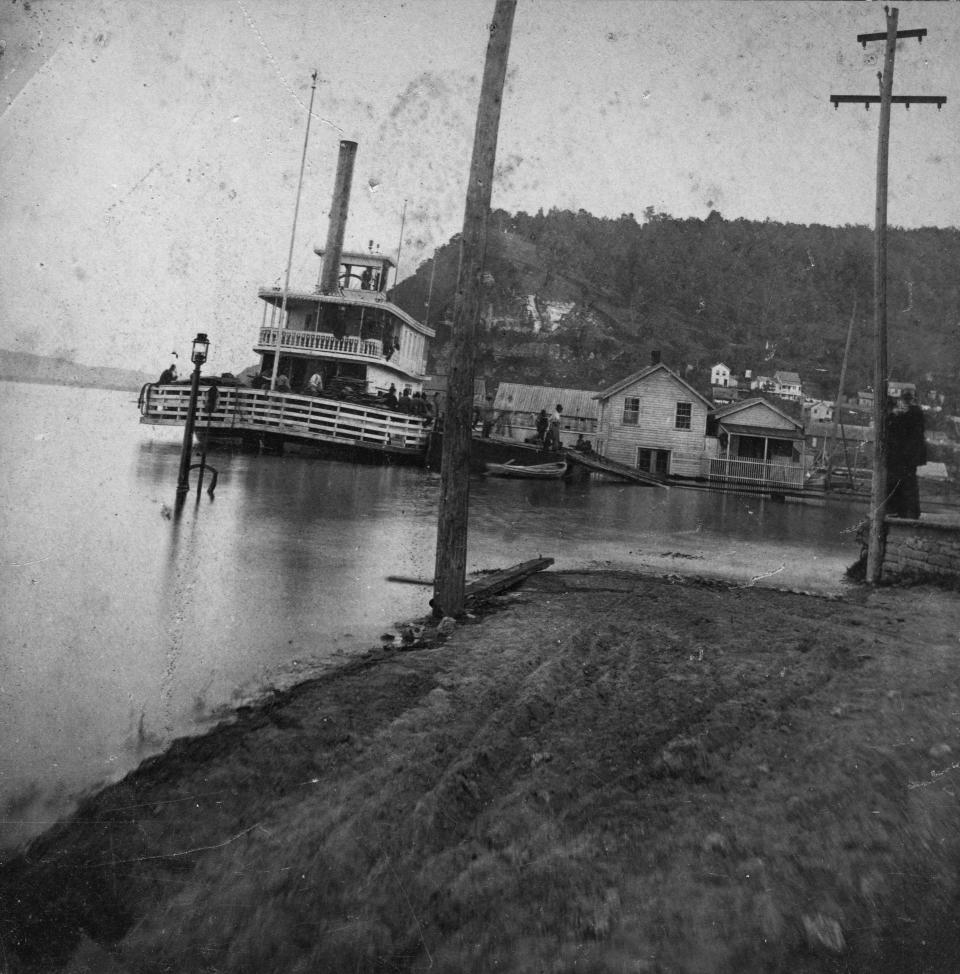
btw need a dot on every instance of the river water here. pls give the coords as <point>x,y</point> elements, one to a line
<point>125,626</point>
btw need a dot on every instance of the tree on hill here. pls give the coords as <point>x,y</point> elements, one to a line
<point>770,295</point>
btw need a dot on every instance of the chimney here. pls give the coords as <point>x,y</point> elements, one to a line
<point>655,357</point>
<point>338,218</point>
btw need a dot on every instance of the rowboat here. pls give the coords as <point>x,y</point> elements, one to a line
<point>536,471</point>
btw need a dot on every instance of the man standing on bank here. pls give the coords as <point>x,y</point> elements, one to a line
<point>906,450</point>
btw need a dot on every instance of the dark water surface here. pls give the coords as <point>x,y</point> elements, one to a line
<point>124,627</point>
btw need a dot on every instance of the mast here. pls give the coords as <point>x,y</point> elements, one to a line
<point>403,220</point>
<point>433,270</point>
<point>837,424</point>
<point>293,233</point>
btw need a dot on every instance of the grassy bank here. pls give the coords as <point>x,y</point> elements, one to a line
<point>605,772</point>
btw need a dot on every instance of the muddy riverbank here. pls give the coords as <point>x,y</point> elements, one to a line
<point>603,771</point>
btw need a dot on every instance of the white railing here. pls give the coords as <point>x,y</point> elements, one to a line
<point>755,472</point>
<point>302,417</point>
<point>320,341</point>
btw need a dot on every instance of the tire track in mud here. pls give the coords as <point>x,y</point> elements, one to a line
<point>627,706</point>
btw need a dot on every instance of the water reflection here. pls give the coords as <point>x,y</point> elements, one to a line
<point>136,621</point>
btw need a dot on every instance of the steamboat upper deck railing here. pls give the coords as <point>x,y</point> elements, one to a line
<point>351,347</point>
<point>320,341</point>
<point>240,409</point>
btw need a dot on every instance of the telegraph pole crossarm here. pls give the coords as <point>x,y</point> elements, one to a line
<point>879,495</point>
<point>908,100</point>
<point>919,33</point>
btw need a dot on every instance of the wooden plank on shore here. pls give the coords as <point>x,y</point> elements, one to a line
<point>496,582</point>
<point>603,465</point>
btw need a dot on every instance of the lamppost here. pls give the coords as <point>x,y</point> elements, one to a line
<point>198,356</point>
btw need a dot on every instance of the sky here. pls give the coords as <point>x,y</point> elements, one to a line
<point>150,152</point>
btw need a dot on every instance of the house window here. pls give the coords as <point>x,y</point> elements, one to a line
<point>684,415</point>
<point>631,410</point>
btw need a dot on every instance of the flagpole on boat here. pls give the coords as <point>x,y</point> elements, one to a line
<point>433,270</point>
<point>281,324</point>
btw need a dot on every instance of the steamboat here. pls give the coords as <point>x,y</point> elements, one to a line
<point>341,368</point>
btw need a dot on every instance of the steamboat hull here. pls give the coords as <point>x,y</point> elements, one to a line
<point>287,422</point>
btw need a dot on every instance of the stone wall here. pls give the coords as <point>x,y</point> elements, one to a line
<point>927,549</point>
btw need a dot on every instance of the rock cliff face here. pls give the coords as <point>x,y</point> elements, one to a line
<point>539,324</point>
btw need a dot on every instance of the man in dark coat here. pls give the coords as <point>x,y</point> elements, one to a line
<point>906,450</point>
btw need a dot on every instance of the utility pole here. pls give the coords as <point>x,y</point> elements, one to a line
<point>451,559</point>
<point>878,495</point>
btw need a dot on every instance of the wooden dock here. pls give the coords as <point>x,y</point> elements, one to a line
<point>481,589</point>
<point>494,583</point>
<point>603,465</point>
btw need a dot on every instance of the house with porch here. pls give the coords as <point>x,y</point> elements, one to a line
<point>654,421</point>
<point>787,385</point>
<point>759,446</point>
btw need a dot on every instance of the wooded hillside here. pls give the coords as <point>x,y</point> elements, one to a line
<point>761,296</point>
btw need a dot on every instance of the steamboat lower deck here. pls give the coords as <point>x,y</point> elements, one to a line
<point>281,420</point>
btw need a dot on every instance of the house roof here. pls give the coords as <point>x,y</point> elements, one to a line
<point>531,399</point>
<point>727,414</point>
<point>766,431</point>
<point>645,374</point>
<point>302,298</point>
<point>360,258</point>
<point>792,377</point>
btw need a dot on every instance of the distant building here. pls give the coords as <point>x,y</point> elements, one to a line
<point>722,395</point>
<point>820,411</point>
<point>896,389</point>
<point>787,385</point>
<point>720,376</point>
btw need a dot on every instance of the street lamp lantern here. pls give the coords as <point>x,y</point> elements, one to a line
<point>201,346</point>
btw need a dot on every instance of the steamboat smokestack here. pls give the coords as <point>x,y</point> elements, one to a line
<point>338,217</point>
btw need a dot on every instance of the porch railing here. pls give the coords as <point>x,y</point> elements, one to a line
<point>304,417</point>
<point>755,472</point>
